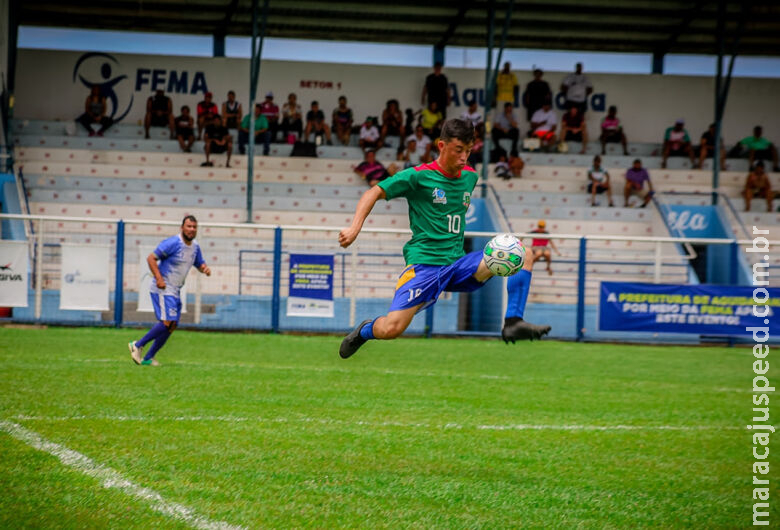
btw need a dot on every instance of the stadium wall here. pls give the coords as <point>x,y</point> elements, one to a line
<point>52,85</point>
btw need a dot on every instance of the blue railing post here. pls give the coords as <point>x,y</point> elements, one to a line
<point>734,263</point>
<point>277,280</point>
<point>119,284</point>
<point>429,322</point>
<point>581,290</point>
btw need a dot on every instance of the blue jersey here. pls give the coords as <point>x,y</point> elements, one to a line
<point>176,257</point>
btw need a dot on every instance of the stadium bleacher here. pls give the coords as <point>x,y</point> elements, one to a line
<point>125,176</point>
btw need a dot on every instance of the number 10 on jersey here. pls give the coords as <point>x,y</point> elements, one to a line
<point>453,223</point>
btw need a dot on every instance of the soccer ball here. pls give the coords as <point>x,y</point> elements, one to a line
<point>504,255</point>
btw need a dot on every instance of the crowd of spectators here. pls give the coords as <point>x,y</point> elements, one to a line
<point>417,130</point>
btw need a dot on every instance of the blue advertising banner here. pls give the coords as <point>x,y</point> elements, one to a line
<point>311,286</point>
<point>691,220</point>
<point>699,309</point>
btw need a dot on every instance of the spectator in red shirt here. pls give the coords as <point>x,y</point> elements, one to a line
<point>612,131</point>
<point>207,109</point>
<point>231,111</point>
<point>573,127</point>
<point>270,110</point>
<point>540,247</point>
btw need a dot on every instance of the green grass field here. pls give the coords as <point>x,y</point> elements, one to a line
<point>277,431</point>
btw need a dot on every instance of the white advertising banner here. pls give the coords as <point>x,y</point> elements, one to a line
<point>84,277</point>
<point>52,85</point>
<point>145,280</point>
<point>13,273</point>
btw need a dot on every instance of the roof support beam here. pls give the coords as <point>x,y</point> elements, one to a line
<point>454,23</point>
<point>690,15</point>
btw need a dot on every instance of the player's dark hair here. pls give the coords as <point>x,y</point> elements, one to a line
<point>457,129</point>
<point>189,218</point>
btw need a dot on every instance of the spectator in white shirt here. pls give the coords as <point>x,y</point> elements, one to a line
<point>544,123</point>
<point>472,114</point>
<point>505,126</point>
<point>577,88</point>
<point>369,135</point>
<point>423,142</point>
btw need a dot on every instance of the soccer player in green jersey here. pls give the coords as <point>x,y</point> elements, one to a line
<point>438,195</point>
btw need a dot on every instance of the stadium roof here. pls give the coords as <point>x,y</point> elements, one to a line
<point>644,26</point>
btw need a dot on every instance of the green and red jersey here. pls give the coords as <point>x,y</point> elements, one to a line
<point>438,203</point>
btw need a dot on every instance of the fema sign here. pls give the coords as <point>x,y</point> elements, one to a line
<point>119,85</point>
<point>694,221</point>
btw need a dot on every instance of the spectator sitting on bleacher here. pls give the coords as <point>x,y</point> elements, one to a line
<point>536,93</point>
<point>95,112</point>
<point>598,178</point>
<point>677,143</point>
<point>636,176</point>
<point>217,140</point>
<point>231,111</point>
<point>573,127</point>
<point>315,122</point>
<point>758,185</point>
<point>291,118</point>
<point>541,246</point>
<point>516,165</point>
<point>411,116</point>
<point>185,130</point>
<point>505,126</point>
<point>270,110</point>
<point>373,171</point>
<point>159,113</point>
<point>262,134</point>
<point>369,135</point>
<point>472,114</point>
<point>707,147</point>
<point>476,155</point>
<point>756,147</point>
<point>342,121</point>
<point>577,87</point>
<point>544,123</point>
<point>431,119</point>
<point>411,155</point>
<point>392,121</point>
<point>423,142</point>
<point>612,131</point>
<point>207,109</point>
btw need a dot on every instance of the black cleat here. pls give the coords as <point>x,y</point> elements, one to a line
<point>353,341</point>
<point>519,329</point>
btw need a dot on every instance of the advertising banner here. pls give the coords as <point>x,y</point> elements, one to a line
<point>145,280</point>
<point>311,286</point>
<point>699,309</point>
<point>13,274</point>
<point>84,277</point>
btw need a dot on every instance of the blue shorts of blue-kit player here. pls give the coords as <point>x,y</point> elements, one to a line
<point>166,306</point>
<point>422,284</point>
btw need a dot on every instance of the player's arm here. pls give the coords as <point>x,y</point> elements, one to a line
<point>366,203</point>
<point>151,259</point>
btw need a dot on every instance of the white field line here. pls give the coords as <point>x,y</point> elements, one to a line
<point>331,421</point>
<point>112,479</point>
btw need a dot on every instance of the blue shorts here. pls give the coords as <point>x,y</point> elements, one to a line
<point>422,284</point>
<point>166,306</point>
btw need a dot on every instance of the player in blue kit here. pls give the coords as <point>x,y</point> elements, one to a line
<point>176,255</point>
<point>438,195</point>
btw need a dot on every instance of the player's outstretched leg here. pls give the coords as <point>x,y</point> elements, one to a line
<point>515,328</point>
<point>387,327</point>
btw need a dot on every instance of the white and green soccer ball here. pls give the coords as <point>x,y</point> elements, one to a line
<point>504,255</point>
